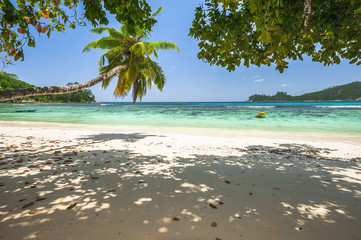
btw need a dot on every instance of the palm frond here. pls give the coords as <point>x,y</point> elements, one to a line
<point>103,43</point>
<point>123,84</point>
<point>99,30</point>
<point>156,12</point>
<point>164,45</point>
<point>111,31</point>
<point>159,77</point>
<point>141,49</point>
<point>132,69</point>
<point>116,53</point>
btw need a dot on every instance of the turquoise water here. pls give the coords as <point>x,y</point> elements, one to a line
<point>330,117</point>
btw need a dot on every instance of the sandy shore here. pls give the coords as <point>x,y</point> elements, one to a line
<point>148,183</point>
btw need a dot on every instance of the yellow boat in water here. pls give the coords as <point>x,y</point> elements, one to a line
<point>261,114</point>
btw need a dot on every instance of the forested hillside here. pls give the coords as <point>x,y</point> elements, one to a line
<point>350,91</point>
<point>12,82</point>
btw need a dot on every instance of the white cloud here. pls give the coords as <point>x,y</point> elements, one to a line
<point>257,76</point>
<point>284,85</point>
<point>259,80</point>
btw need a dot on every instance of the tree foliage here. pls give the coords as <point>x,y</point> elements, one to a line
<point>131,50</point>
<point>18,21</point>
<point>259,32</point>
<point>230,32</point>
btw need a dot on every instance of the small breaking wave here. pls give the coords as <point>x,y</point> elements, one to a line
<point>252,107</point>
<point>339,106</point>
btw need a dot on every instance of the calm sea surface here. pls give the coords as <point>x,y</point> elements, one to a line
<point>330,117</point>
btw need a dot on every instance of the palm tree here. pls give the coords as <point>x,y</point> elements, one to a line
<point>139,71</point>
<point>132,51</point>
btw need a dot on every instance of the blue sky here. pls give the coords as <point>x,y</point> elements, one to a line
<point>59,60</point>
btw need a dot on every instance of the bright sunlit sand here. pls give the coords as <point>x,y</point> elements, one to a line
<point>67,181</point>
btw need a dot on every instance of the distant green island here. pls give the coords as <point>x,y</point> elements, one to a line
<point>350,91</point>
<point>12,82</point>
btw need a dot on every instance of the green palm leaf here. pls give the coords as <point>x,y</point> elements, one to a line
<point>103,43</point>
<point>123,49</point>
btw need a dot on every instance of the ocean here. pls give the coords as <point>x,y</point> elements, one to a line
<point>342,117</point>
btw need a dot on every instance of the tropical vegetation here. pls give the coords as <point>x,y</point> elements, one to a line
<point>132,51</point>
<point>20,20</point>
<point>350,91</point>
<point>230,32</point>
<point>12,82</point>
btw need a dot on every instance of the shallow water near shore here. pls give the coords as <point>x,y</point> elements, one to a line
<point>317,117</point>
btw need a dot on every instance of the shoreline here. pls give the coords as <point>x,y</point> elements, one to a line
<point>153,183</point>
<point>291,135</point>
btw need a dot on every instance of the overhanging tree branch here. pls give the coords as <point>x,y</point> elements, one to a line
<point>53,90</point>
<point>308,13</point>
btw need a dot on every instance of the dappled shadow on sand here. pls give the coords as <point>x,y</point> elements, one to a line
<point>259,192</point>
<point>133,137</point>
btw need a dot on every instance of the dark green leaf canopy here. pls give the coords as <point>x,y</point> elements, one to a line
<point>256,32</point>
<point>19,19</point>
<point>230,32</point>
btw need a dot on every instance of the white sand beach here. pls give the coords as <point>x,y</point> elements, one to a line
<point>158,183</point>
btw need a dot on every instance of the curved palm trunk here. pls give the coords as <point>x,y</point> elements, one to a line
<point>28,92</point>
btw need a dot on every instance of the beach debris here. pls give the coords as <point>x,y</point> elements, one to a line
<point>218,238</point>
<point>250,193</point>
<point>111,190</point>
<point>40,198</point>
<point>67,161</point>
<point>212,206</point>
<point>93,177</point>
<point>107,161</point>
<point>276,188</point>
<point>34,212</point>
<point>1,184</point>
<point>23,199</point>
<point>25,171</point>
<point>28,205</point>
<point>53,173</point>
<point>142,181</point>
<point>220,203</point>
<point>175,219</point>
<point>358,172</point>
<point>214,224</point>
<point>57,152</point>
<point>228,182</point>
<point>71,206</point>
